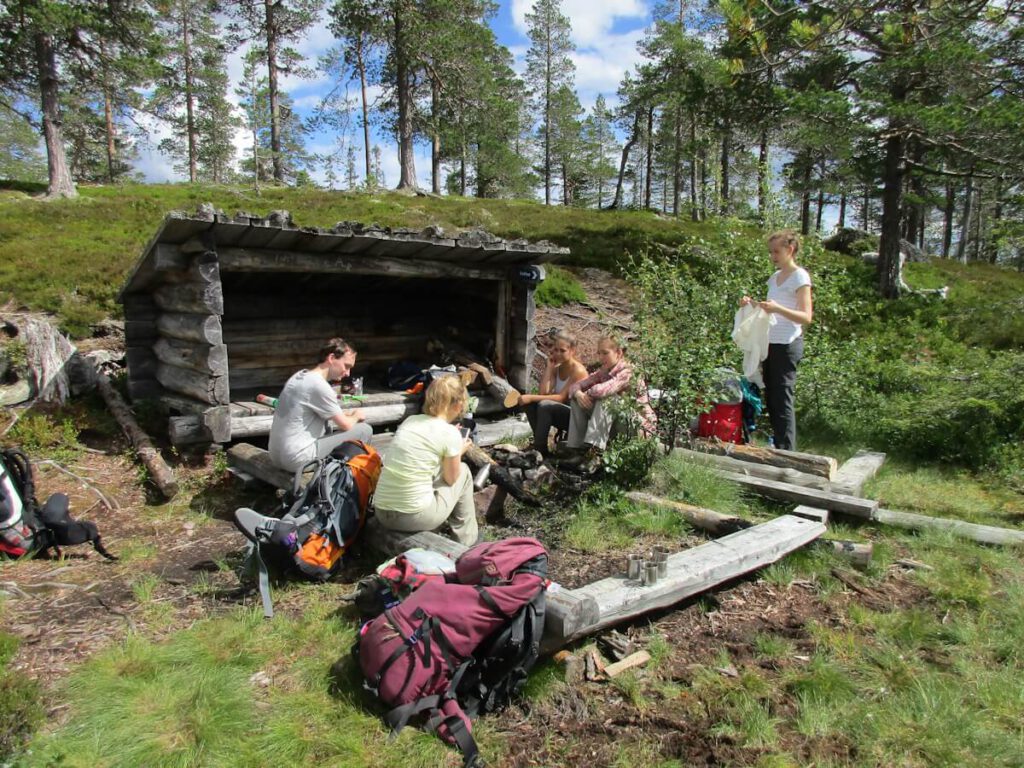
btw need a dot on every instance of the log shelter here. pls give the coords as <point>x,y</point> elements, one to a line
<point>221,308</point>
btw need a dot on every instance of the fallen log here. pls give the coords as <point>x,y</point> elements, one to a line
<point>856,471</point>
<point>985,534</point>
<point>834,502</point>
<point>769,472</point>
<point>823,466</point>
<point>708,520</point>
<point>161,474</point>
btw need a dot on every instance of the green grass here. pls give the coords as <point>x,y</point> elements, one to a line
<point>21,708</point>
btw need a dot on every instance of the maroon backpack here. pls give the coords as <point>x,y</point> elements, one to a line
<point>462,646</point>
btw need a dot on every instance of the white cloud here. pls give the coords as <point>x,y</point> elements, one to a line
<point>590,20</point>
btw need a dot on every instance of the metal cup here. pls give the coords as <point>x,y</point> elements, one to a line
<point>660,556</point>
<point>633,563</point>
<point>650,574</point>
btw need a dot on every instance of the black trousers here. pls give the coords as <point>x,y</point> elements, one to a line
<point>779,383</point>
<point>543,416</point>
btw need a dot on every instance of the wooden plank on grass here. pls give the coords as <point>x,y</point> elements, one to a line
<point>824,466</point>
<point>812,497</point>
<point>781,474</point>
<point>698,570</point>
<point>986,534</point>
<point>856,471</point>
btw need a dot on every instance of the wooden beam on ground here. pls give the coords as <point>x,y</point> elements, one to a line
<point>161,474</point>
<point>697,570</point>
<point>708,520</point>
<point>781,474</point>
<point>566,612</point>
<point>986,534</point>
<point>856,471</point>
<point>812,464</point>
<point>849,479</point>
<point>858,553</point>
<point>812,497</point>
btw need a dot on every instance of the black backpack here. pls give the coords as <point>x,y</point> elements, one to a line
<point>26,528</point>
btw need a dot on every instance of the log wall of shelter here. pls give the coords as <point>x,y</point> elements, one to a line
<point>274,324</point>
<point>175,347</point>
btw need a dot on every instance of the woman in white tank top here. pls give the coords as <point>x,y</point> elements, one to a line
<point>549,408</point>
<point>789,299</point>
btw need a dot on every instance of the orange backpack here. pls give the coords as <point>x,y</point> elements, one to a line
<point>322,519</point>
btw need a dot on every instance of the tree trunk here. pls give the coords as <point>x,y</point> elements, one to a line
<point>997,218</point>
<point>865,212</point>
<point>633,136</point>
<point>979,211</point>
<point>805,201</point>
<point>821,207</point>
<point>703,183</point>
<point>462,170</point>
<point>965,222</point>
<point>892,207</point>
<point>547,119</point>
<point>677,163</point>
<point>694,213</point>
<point>361,67</point>
<point>406,160</point>
<point>435,142</point>
<point>60,183</point>
<point>842,210</point>
<point>650,157</point>
<point>726,149</point>
<point>948,211</point>
<point>108,119</point>
<point>762,178</point>
<point>190,118</point>
<point>275,106</point>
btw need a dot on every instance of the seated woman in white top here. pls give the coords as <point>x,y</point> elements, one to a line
<point>424,483</point>
<point>550,407</point>
<point>789,299</point>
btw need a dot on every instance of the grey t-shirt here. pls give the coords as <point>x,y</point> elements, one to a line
<point>303,408</point>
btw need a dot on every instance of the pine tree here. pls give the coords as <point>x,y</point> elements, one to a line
<point>45,44</point>
<point>272,25</point>
<point>598,138</point>
<point>191,93</point>
<point>549,68</point>
<point>351,174</point>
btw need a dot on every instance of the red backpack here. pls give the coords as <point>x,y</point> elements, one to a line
<point>462,646</point>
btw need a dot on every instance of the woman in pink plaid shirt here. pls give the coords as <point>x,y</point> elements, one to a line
<point>590,423</point>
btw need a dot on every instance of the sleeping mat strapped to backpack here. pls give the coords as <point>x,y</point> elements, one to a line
<point>460,646</point>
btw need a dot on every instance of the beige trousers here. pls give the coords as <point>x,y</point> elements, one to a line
<point>452,504</point>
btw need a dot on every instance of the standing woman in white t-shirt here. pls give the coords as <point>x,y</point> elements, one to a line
<point>789,299</point>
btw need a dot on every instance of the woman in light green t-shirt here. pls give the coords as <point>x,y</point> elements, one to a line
<point>424,483</point>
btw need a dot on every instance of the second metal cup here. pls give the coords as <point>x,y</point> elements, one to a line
<point>633,565</point>
<point>650,573</point>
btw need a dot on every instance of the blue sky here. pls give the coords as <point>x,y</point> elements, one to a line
<point>605,33</point>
